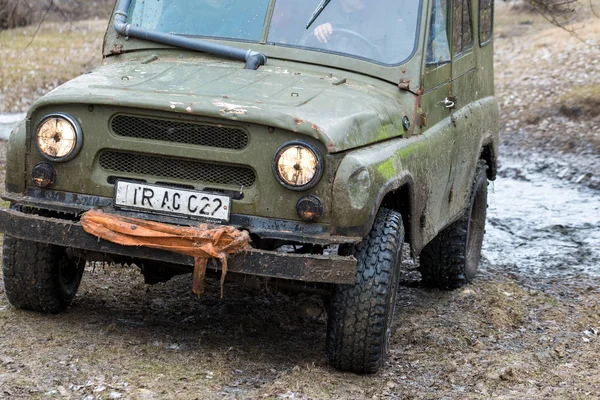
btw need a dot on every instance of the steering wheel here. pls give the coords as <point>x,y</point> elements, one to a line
<point>338,36</point>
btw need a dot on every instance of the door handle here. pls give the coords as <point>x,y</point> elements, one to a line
<point>450,102</point>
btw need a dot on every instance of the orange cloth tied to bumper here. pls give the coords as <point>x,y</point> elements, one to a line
<point>201,242</point>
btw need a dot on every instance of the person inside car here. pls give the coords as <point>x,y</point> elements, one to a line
<point>374,28</point>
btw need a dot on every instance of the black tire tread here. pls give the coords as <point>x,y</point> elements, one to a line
<point>30,275</point>
<point>443,259</point>
<point>358,313</point>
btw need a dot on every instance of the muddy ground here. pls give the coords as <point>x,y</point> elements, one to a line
<point>529,328</point>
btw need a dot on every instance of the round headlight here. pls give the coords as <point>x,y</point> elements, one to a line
<point>58,137</point>
<point>298,165</point>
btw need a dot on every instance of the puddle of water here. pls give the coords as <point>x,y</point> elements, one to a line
<point>541,226</point>
<point>8,122</point>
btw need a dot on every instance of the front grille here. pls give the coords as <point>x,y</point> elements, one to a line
<point>187,170</point>
<point>201,134</point>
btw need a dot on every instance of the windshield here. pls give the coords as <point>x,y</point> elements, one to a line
<point>383,31</point>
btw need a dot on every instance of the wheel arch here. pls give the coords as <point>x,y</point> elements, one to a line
<point>489,155</point>
<point>399,196</point>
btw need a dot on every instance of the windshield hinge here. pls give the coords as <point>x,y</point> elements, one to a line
<point>404,84</point>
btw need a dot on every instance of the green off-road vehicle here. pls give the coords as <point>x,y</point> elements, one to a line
<point>332,132</point>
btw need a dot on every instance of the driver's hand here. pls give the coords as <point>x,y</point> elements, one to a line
<point>323,31</point>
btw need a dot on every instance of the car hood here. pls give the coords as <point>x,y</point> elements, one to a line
<point>342,113</point>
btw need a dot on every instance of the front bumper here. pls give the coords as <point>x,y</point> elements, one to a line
<point>265,228</point>
<point>70,234</point>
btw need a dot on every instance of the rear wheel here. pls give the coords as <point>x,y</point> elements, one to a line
<point>360,315</point>
<point>38,276</point>
<point>451,259</point>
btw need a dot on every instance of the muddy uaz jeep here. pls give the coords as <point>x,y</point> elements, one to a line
<point>328,132</point>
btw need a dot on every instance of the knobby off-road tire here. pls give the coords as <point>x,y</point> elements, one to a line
<point>360,315</point>
<point>451,260</point>
<point>38,276</point>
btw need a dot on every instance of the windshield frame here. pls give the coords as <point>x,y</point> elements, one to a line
<point>116,44</point>
<point>136,17</point>
<point>419,17</point>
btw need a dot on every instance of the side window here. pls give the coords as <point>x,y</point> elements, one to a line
<point>438,49</point>
<point>486,21</point>
<point>463,31</point>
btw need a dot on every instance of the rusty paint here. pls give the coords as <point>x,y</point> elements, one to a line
<point>419,102</point>
<point>330,143</point>
<point>116,49</point>
<point>422,120</point>
<point>418,105</point>
<point>298,121</point>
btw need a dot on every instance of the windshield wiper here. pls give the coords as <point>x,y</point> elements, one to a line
<point>253,59</point>
<point>317,12</point>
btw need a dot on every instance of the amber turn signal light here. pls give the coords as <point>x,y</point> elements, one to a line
<point>44,175</point>
<point>310,208</point>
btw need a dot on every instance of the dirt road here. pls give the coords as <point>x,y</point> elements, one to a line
<point>529,328</point>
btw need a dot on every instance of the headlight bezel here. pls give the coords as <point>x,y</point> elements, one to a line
<point>318,173</point>
<point>78,136</point>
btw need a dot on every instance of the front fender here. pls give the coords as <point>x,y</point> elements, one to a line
<point>15,159</point>
<point>365,176</point>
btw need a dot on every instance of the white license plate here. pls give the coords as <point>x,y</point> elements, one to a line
<point>160,199</point>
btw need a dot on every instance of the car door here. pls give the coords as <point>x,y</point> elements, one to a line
<point>465,92</point>
<point>434,118</point>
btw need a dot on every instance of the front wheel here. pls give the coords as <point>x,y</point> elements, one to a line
<point>451,259</point>
<point>38,276</point>
<point>360,315</point>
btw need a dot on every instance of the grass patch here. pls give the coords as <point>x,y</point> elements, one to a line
<point>581,101</point>
<point>58,53</point>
